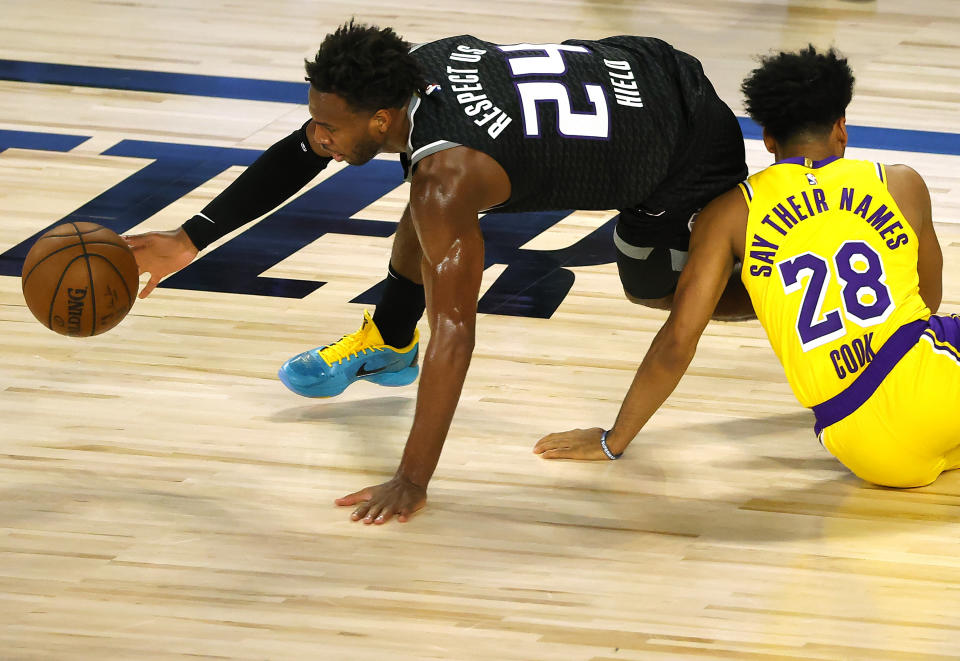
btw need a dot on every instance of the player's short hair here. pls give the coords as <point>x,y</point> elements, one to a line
<point>792,94</point>
<point>369,67</point>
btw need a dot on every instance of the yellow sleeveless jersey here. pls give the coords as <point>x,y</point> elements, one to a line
<point>830,265</point>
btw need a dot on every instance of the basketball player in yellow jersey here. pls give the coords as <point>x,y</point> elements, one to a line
<point>843,268</point>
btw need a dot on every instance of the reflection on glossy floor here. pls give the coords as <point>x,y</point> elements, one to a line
<point>164,497</point>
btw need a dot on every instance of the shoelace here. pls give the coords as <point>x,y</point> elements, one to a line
<point>346,347</point>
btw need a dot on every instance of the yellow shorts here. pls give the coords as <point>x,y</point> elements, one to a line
<point>908,431</point>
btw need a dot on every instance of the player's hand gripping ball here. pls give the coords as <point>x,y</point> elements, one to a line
<point>80,279</point>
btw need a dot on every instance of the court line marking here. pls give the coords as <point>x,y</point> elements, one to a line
<point>278,91</point>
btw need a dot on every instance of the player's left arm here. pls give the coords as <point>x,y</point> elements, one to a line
<point>910,192</point>
<point>713,246</point>
<point>447,191</point>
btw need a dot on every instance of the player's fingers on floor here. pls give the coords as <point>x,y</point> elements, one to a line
<point>545,443</point>
<point>373,511</point>
<point>555,442</point>
<point>360,512</point>
<point>556,453</point>
<point>353,498</point>
<point>385,514</point>
<point>404,513</point>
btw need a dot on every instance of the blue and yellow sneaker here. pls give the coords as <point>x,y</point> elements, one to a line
<point>327,371</point>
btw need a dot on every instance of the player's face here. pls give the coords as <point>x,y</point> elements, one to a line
<point>348,135</point>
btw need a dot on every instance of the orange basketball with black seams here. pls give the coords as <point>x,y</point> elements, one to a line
<point>80,279</point>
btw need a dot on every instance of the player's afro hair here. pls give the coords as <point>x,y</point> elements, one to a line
<point>792,94</point>
<point>369,67</point>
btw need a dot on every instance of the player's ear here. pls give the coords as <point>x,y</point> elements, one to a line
<point>840,132</point>
<point>382,120</point>
<point>769,142</point>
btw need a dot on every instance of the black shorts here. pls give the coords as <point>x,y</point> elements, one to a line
<point>652,239</point>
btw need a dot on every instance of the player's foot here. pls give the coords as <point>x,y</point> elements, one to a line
<point>327,371</point>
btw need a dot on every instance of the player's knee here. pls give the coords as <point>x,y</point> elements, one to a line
<point>662,303</point>
<point>650,281</point>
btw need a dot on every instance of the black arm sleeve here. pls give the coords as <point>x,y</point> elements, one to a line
<point>278,173</point>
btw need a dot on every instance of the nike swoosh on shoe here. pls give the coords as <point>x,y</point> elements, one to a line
<point>363,370</point>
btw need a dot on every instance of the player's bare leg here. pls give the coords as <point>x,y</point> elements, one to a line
<point>734,304</point>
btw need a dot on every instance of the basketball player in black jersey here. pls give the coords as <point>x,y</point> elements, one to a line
<point>624,123</point>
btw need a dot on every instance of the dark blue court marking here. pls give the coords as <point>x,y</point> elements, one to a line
<point>253,89</point>
<point>175,171</point>
<point>35,140</point>
<point>874,137</point>
<point>235,267</point>
<point>534,283</point>
<point>250,89</point>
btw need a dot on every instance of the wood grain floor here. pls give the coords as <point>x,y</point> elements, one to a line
<point>162,496</point>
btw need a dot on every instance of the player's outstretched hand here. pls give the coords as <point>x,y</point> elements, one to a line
<point>160,254</point>
<point>378,504</point>
<point>573,444</point>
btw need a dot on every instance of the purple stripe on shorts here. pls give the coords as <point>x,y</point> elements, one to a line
<point>857,393</point>
<point>947,329</point>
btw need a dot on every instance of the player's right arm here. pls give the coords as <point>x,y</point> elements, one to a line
<point>911,195</point>
<point>277,174</point>
<point>447,192</point>
<point>716,240</point>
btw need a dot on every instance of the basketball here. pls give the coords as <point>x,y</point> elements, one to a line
<point>80,279</point>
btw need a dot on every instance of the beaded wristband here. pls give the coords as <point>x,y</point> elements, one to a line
<point>606,450</point>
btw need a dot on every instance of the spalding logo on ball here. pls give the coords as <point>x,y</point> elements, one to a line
<point>80,279</point>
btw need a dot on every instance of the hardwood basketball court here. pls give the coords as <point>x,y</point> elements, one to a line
<point>163,496</point>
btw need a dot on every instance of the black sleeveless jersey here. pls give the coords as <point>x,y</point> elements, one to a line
<point>577,125</point>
